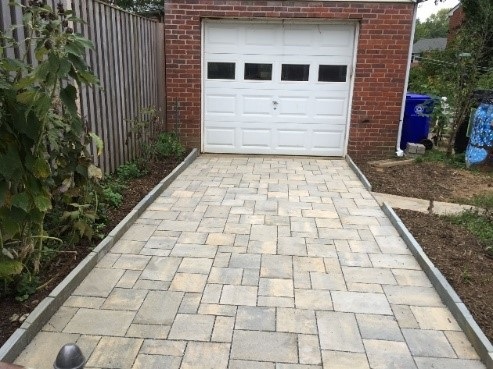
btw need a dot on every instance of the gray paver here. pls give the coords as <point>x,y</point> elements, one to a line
<point>115,352</point>
<point>265,346</point>
<point>358,302</point>
<point>152,312</point>
<point>156,362</point>
<point>388,355</point>
<point>100,322</point>
<point>206,355</point>
<point>339,331</point>
<point>428,343</point>
<point>296,321</point>
<point>239,295</point>
<point>192,327</point>
<point>161,269</point>
<point>344,360</point>
<point>255,318</point>
<point>99,282</point>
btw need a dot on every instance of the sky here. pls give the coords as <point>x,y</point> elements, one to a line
<point>428,8</point>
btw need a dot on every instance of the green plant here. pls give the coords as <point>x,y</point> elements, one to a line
<point>44,160</point>
<point>129,171</point>
<point>168,145</point>
<point>112,197</point>
<point>436,155</point>
<point>479,224</point>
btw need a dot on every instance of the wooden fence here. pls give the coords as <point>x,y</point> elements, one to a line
<point>128,58</point>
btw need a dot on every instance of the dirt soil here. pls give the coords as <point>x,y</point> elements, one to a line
<point>429,180</point>
<point>460,258</point>
<point>455,251</point>
<point>54,272</point>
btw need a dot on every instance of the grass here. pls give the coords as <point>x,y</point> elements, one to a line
<point>479,223</point>
<point>436,155</point>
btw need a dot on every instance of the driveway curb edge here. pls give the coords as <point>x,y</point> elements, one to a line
<point>448,295</point>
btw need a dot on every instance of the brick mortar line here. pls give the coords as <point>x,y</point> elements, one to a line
<point>22,336</point>
<point>448,295</point>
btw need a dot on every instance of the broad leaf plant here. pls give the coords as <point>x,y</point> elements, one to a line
<point>46,169</point>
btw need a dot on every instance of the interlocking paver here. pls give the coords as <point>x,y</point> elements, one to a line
<point>100,322</point>
<point>161,269</point>
<point>296,321</point>
<point>344,360</point>
<point>152,311</point>
<point>206,355</point>
<point>99,283</point>
<point>379,327</point>
<point>428,343</point>
<point>188,282</point>
<point>191,327</point>
<point>339,331</point>
<point>388,355</point>
<point>435,318</point>
<point>239,295</point>
<point>358,302</point>
<point>225,276</point>
<point>259,262</point>
<point>265,346</point>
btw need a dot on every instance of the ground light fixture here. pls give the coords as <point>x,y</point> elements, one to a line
<point>69,357</point>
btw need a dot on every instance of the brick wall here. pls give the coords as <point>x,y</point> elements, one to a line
<point>454,23</point>
<point>380,71</point>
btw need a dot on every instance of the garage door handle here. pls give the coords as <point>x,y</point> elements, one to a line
<point>275,104</point>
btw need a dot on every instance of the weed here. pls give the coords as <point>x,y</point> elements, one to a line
<point>435,155</point>
<point>129,171</point>
<point>466,276</point>
<point>478,224</point>
<point>168,145</point>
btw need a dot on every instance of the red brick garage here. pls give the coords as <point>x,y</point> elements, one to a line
<point>215,87</point>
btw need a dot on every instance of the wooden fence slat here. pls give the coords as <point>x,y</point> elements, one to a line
<point>128,59</point>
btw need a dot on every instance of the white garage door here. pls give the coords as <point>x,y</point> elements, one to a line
<point>276,88</point>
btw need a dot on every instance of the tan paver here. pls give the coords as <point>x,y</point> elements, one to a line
<point>258,262</point>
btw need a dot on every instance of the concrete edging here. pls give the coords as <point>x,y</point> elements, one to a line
<point>358,173</point>
<point>448,295</point>
<point>49,305</point>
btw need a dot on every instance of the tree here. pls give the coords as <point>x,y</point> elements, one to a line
<point>139,6</point>
<point>435,26</point>
<point>464,66</point>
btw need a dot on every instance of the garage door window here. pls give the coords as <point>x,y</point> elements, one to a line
<point>259,72</point>
<point>295,72</point>
<point>217,70</point>
<point>332,73</point>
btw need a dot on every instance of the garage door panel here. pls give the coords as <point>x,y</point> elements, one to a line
<point>261,35</point>
<point>220,137</point>
<point>330,107</point>
<point>258,137</point>
<point>330,140</point>
<point>221,104</point>
<point>259,106</point>
<point>290,106</point>
<point>292,139</point>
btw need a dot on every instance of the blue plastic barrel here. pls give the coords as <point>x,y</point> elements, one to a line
<point>416,123</point>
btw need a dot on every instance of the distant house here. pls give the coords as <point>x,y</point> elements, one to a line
<point>455,19</point>
<point>428,44</point>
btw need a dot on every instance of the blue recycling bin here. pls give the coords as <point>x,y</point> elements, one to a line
<point>416,123</point>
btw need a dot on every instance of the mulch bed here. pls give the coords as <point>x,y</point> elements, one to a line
<point>429,180</point>
<point>460,258</point>
<point>54,272</point>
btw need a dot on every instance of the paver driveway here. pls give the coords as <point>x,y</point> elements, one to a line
<point>258,262</point>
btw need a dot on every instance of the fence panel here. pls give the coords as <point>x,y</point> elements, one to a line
<point>128,58</point>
